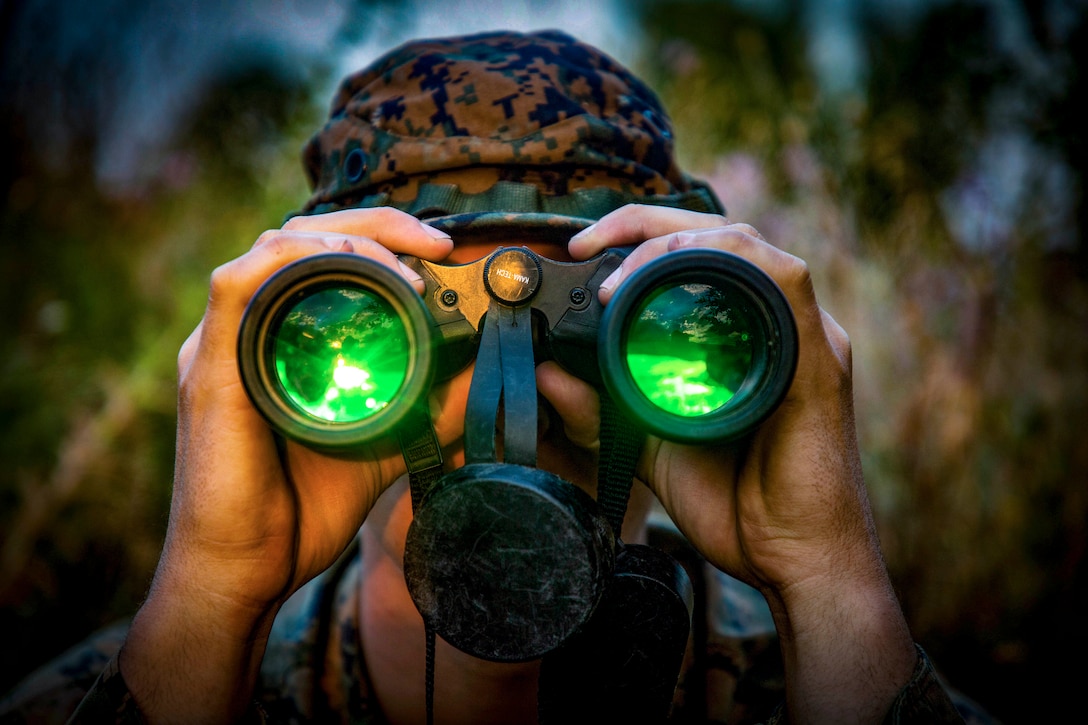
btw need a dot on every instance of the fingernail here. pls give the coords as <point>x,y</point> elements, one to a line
<point>434,233</point>
<point>410,274</point>
<point>346,246</point>
<point>610,281</point>
<point>584,233</point>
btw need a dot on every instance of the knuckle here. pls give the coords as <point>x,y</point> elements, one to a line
<point>796,273</point>
<point>187,357</point>
<point>386,213</point>
<point>185,352</point>
<point>267,236</point>
<point>222,278</point>
<point>840,343</point>
<point>743,228</point>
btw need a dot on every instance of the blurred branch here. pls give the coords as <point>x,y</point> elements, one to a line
<point>92,438</point>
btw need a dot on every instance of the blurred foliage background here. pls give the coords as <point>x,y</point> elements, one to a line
<point>924,157</point>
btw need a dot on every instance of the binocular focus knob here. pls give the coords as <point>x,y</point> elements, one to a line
<point>512,276</point>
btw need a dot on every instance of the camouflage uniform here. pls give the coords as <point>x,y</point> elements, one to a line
<point>313,670</point>
<point>491,134</point>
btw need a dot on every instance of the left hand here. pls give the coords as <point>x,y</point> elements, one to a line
<point>785,510</point>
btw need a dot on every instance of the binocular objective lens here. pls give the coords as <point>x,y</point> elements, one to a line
<point>341,354</point>
<point>689,348</point>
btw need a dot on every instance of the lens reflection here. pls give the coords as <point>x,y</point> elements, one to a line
<point>689,348</point>
<point>341,354</point>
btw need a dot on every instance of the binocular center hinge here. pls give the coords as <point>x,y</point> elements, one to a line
<point>512,275</point>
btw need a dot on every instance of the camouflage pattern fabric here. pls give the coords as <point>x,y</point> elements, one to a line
<point>313,669</point>
<point>52,693</point>
<point>497,122</point>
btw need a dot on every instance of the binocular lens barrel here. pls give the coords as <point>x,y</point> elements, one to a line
<point>334,350</point>
<point>698,346</point>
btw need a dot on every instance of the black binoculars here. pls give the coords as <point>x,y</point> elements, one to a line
<point>697,346</point>
<point>505,560</point>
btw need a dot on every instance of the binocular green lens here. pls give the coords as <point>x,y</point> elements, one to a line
<point>698,346</point>
<point>341,354</point>
<point>335,349</point>
<point>689,348</point>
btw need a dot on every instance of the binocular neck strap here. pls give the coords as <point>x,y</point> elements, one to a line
<point>504,363</point>
<point>423,456</point>
<point>421,452</point>
<point>506,370</point>
<point>620,447</point>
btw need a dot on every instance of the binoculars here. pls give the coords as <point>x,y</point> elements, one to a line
<point>504,560</point>
<point>697,346</point>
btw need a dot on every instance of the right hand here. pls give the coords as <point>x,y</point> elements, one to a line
<point>250,524</point>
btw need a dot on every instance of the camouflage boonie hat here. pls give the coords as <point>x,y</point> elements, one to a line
<point>488,131</point>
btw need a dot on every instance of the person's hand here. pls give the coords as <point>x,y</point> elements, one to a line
<point>787,510</point>
<point>250,521</point>
<point>791,500</point>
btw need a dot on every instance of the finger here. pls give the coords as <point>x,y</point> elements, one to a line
<point>741,239</point>
<point>397,231</point>
<point>574,400</point>
<point>640,255</point>
<point>634,224</point>
<point>234,283</point>
<point>790,273</point>
<point>363,246</point>
<point>839,340</point>
<point>188,350</point>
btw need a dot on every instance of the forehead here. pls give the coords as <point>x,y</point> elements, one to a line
<point>471,250</point>
<point>477,235</point>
